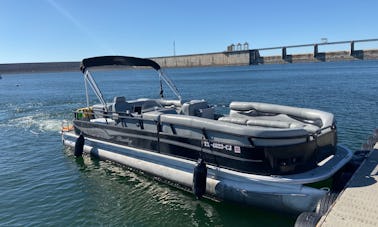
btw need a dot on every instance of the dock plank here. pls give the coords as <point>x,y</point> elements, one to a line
<point>358,203</point>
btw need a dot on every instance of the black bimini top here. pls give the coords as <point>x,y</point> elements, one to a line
<point>117,60</point>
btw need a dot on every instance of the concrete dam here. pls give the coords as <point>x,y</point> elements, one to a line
<point>253,57</point>
<point>231,57</point>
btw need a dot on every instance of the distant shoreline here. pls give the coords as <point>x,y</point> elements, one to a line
<point>234,58</point>
<point>14,68</point>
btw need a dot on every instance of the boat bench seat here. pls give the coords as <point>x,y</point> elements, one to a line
<point>144,105</point>
<point>269,123</point>
<point>309,117</point>
<point>198,108</point>
<point>200,123</point>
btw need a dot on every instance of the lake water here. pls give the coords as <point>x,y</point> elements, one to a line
<point>42,183</point>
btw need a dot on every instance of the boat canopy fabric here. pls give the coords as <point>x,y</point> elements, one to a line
<point>117,60</point>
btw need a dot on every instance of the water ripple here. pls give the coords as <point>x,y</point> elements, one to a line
<point>43,184</point>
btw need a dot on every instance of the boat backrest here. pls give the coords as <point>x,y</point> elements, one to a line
<point>270,123</point>
<point>120,105</point>
<point>143,105</point>
<point>198,108</point>
<point>317,117</point>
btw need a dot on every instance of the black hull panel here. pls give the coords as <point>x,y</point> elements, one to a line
<point>286,159</point>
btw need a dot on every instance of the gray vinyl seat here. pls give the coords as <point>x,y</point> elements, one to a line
<point>120,105</point>
<point>198,108</point>
<point>119,108</point>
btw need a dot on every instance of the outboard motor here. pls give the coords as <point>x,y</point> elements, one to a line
<point>199,179</point>
<point>79,146</point>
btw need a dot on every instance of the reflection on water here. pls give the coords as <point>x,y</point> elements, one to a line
<point>117,193</point>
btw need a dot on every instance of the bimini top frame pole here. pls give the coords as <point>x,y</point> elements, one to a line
<point>122,61</point>
<point>170,84</point>
<point>88,79</point>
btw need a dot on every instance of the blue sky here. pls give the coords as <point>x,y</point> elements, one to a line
<point>69,30</point>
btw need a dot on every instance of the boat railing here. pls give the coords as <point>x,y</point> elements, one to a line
<point>116,116</point>
<point>111,117</point>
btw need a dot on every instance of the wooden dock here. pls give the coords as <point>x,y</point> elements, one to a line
<point>357,205</point>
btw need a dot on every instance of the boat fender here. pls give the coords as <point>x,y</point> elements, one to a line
<point>307,219</point>
<point>79,146</point>
<point>326,202</point>
<point>199,179</point>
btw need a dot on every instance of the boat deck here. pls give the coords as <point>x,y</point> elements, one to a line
<point>358,203</point>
